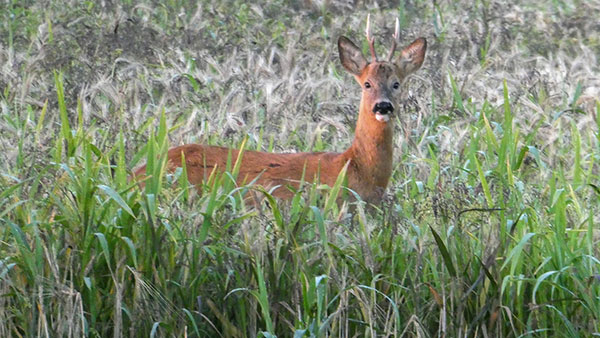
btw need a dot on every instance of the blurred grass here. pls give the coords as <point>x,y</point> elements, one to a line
<point>489,226</point>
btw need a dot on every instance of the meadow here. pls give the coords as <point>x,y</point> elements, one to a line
<point>490,226</point>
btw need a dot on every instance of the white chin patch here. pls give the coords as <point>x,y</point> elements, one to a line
<point>382,118</point>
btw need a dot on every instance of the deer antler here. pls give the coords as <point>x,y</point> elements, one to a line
<point>396,38</point>
<point>371,39</point>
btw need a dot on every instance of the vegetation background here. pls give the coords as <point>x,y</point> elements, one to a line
<point>490,227</point>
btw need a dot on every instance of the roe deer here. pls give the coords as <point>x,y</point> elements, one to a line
<point>369,157</point>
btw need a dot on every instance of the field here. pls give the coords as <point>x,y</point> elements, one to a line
<point>490,226</point>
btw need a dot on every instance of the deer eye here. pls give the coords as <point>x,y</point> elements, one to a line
<point>367,85</point>
<point>396,85</point>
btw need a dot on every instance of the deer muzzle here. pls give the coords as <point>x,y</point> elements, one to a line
<point>383,110</point>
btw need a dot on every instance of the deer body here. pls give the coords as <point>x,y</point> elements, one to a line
<point>270,169</point>
<point>369,158</point>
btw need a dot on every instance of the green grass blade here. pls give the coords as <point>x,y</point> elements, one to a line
<point>184,184</point>
<point>117,198</point>
<point>458,100</point>
<point>577,170</point>
<point>263,297</point>
<point>40,124</point>
<point>65,127</point>
<point>132,251</point>
<point>104,245</point>
<point>335,190</point>
<point>484,183</point>
<point>447,259</point>
<point>514,256</point>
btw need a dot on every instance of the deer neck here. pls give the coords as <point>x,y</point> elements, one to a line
<point>372,150</point>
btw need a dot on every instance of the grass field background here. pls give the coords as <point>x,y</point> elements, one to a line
<point>490,224</point>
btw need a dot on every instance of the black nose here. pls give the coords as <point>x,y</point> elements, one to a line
<point>383,108</point>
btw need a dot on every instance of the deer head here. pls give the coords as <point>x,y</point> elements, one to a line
<point>380,80</point>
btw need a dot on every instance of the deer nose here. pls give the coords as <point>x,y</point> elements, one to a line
<point>383,108</point>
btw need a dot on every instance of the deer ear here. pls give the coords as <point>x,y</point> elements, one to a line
<point>351,56</point>
<point>411,58</point>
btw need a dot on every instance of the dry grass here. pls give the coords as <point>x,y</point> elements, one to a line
<point>224,71</point>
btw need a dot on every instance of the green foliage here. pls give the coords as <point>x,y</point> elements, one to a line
<point>489,227</point>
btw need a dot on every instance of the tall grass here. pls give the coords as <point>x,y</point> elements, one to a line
<point>489,226</point>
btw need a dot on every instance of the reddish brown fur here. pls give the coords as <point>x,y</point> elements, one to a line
<point>370,155</point>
